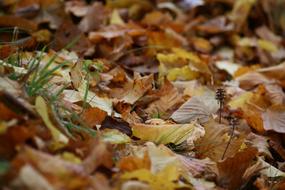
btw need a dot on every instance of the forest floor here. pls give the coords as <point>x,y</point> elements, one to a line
<point>138,94</point>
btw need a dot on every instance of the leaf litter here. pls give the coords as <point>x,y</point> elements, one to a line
<point>139,94</point>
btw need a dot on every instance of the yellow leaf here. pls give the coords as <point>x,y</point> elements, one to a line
<point>241,100</point>
<point>116,18</point>
<point>186,55</point>
<point>267,45</point>
<point>163,180</point>
<point>240,12</point>
<point>69,156</point>
<point>181,64</point>
<point>164,133</point>
<point>3,127</point>
<point>245,69</point>
<point>184,73</point>
<point>59,139</point>
<point>114,136</point>
<point>177,54</point>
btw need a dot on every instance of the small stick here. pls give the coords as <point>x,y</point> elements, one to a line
<point>233,122</point>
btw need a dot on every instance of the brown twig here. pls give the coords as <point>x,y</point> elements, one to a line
<point>233,121</point>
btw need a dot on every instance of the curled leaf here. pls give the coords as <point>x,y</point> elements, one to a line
<point>59,139</point>
<point>166,133</point>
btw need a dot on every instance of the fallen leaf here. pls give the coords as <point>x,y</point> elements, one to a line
<point>11,21</point>
<point>116,18</point>
<point>116,123</point>
<point>169,97</point>
<point>259,142</point>
<point>275,72</point>
<point>140,86</point>
<point>240,12</point>
<point>198,108</point>
<point>114,136</point>
<point>100,154</point>
<point>239,163</point>
<point>166,133</point>
<point>31,178</point>
<point>93,116</point>
<point>60,140</point>
<point>53,169</point>
<point>132,163</point>
<point>162,180</point>
<point>274,119</point>
<point>94,100</point>
<point>213,144</point>
<point>96,15</point>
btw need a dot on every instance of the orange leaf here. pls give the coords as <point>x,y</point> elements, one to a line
<point>93,116</point>
<point>131,163</point>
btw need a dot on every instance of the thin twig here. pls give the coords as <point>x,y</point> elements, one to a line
<point>233,122</point>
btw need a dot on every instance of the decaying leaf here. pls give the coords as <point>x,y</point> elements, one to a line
<point>132,163</point>
<point>140,86</point>
<point>238,163</point>
<point>60,140</point>
<point>169,97</point>
<point>100,154</point>
<point>93,116</point>
<point>50,168</point>
<point>140,75</point>
<point>166,133</point>
<point>214,142</point>
<point>114,136</point>
<point>274,119</point>
<point>240,12</point>
<point>163,179</point>
<point>191,65</point>
<point>198,108</point>
<point>260,143</point>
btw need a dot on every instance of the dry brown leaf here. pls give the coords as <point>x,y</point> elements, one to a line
<point>52,168</point>
<point>259,142</point>
<point>68,33</point>
<point>276,72</point>
<point>252,79</point>
<point>274,119</point>
<point>131,163</point>
<point>93,116</point>
<point>215,26</point>
<point>100,154</point>
<point>139,87</point>
<point>169,96</point>
<point>213,143</point>
<point>275,94</point>
<point>11,21</point>
<point>232,169</point>
<point>198,108</point>
<point>199,167</point>
<point>240,12</point>
<point>96,15</point>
